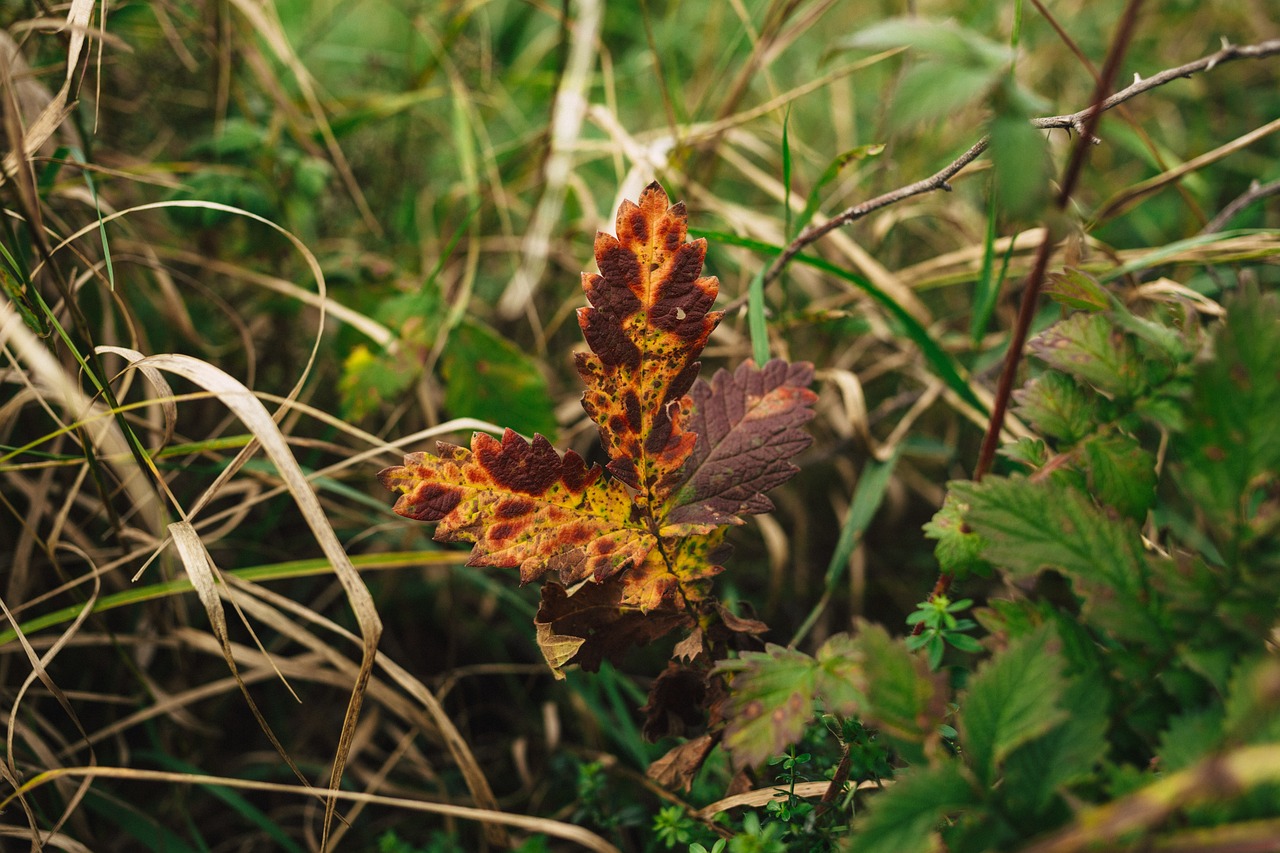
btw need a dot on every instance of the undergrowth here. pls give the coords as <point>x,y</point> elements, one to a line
<point>882,578</point>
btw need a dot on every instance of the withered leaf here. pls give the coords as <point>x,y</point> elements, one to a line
<point>523,506</point>
<point>677,702</point>
<point>749,425</point>
<point>649,319</point>
<point>596,614</point>
<point>677,769</point>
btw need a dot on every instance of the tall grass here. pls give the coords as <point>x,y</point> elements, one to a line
<point>253,252</point>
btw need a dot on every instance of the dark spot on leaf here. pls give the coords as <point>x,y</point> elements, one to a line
<point>513,508</point>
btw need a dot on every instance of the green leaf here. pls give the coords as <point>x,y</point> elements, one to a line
<point>902,819</point>
<point>770,704</point>
<point>1088,347</point>
<point>489,378</point>
<point>1189,737</point>
<point>904,699</point>
<point>1021,163</point>
<point>959,549</point>
<point>1031,452</point>
<point>1057,407</point>
<point>1121,474</point>
<point>942,39</point>
<point>1011,700</point>
<point>1230,451</point>
<point>369,380</point>
<point>1076,289</point>
<point>1067,754</point>
<point>935,89</point>
<point>1044,524</point>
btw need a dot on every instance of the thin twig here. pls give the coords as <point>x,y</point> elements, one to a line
<point>1255,192</point>
<point>1031,293</point>
<point>1074,121</point>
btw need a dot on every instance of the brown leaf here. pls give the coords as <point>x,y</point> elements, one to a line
<point>677,702</point>
<point>749,425</point>
<point>596,615</point>
<point>676,770</point>
<point>523,506</point>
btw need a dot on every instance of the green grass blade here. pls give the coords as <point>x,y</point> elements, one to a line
<point>940,361</point>
<point>867,498</point>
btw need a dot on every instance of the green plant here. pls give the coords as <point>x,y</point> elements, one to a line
<point>1151,669</point>
<point>687,458</point>
<point>940,628</point>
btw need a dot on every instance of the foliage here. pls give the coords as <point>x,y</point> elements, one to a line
<point>685,458</point>
<point>253,252</point>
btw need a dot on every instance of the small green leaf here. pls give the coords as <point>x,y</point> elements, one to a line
<point>1121,474</point>
<point>959,549</point>
<point>1056,406</point>
<point>1088,347</point>
<point>1011,700</point>
<point>1076,289</point>
<point>1020,159</point>
<point>903,818</point>
<point>1031,452</point>
<point>369,380</point>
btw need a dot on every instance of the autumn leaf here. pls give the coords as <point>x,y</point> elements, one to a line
<point>593,625</point>
<point>749,424</point>
<point>523,505</point>
<point>687,458</point>
<point>648,321</point>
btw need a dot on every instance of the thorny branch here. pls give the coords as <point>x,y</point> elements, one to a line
<point>1073,121</point>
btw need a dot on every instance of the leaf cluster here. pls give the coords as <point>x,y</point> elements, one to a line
<point>1152,494</point>
<point>626,553</point>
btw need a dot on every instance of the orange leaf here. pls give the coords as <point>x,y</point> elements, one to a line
<point>523,506</point>
<point>649,319</point>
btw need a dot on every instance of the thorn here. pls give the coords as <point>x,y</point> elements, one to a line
<point>945,186</point>
<point>1137,78</point>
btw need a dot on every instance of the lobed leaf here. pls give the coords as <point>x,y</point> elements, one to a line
<point>649,319</point>
<point>1031,525</point>
<point>1088,347</point>
<point>749,425</point>
<point>1056,406</point>
<point>1011,700</point>
<point>770,704</point>
<point>523,506</point>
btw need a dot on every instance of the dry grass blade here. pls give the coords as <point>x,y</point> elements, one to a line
<point>55,384</point>
<point>436,716</point>
<point>39,671</point>
<point>566,125</point>
<point>575,834</point>
<point>250,410</point>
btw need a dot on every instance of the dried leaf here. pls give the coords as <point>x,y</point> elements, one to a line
<point>677,702</point>
<point>677,769</point>
<point>596,615</point>
<point>648,322</point>
<point>523,505</point>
